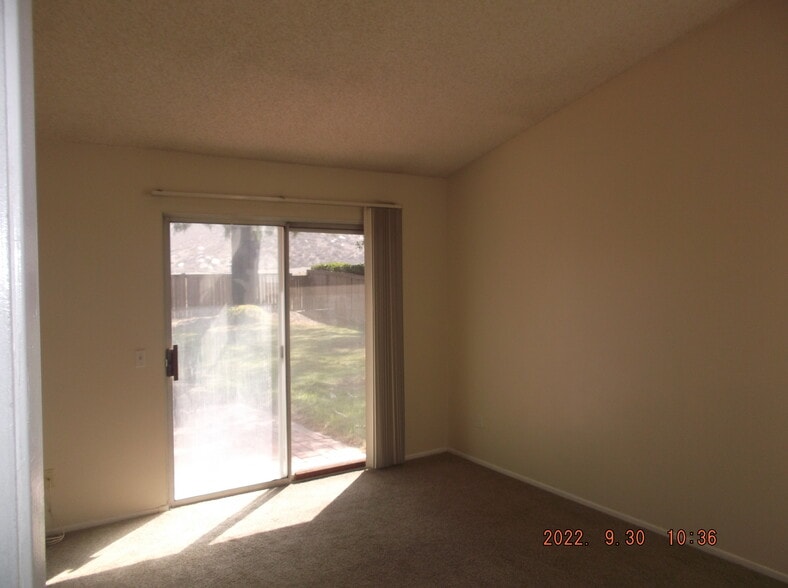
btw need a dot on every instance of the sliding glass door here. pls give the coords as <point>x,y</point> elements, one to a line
<point>249,350</point>
<point>327,350</point>
<point>228,394</point>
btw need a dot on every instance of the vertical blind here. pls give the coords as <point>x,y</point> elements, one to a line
<point>386,373</point>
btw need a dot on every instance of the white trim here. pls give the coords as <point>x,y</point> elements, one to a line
<point>721,553</point>
<point>369,343</point>
<point>167,318</point>
<point>22,515</point>
<point>285,406</point>
<point>561,493</point>
<point>273,198</point>
<point>421,454</point>
<point>109,521</point>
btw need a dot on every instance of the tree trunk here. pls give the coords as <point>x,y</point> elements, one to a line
<point>246,257</point>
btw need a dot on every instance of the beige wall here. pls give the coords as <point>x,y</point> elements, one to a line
<point>620,279</point>
<point>105,427</point>
<point>617,296</point>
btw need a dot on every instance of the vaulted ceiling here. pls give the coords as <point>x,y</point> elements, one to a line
<point>412,86</point>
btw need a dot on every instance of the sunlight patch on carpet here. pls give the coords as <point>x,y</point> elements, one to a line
<point>208,523</point>
<point>166,534</point>
<point>304,501</point>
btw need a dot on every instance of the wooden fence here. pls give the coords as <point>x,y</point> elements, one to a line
<point>332,297</point>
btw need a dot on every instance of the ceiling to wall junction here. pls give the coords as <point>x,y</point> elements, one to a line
<point>412,86</point>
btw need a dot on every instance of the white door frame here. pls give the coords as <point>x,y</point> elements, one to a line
<point>22,528</point>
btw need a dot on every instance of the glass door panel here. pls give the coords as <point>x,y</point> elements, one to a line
<point>327,353</point>
<point>228,404</point>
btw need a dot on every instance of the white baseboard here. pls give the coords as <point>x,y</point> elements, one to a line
<point>721,553</point>
<point>101,522</point>
<point>426,453</point>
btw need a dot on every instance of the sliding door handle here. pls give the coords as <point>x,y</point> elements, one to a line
<point>171,362</point>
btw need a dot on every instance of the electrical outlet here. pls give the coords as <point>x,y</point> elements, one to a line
<point>139,358</point>
<point>49,478</point>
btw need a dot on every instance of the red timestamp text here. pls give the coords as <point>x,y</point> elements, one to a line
<point>578,538</point>
<point>700,537</point>
<point>568,537</point>
<point>631,537</point>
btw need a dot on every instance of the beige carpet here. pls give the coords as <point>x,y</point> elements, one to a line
<point>437,521</point>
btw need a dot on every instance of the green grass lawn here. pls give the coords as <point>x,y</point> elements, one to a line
<point>327,380</point>
<point>327,367</point>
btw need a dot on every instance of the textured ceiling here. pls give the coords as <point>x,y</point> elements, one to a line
<point>413,86</point>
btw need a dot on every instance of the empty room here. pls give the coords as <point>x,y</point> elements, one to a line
<point>424,292</point>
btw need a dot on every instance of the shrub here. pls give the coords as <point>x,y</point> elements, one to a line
<point>338,266</point>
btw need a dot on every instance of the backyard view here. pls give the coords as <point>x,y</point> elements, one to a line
<point>327,386</point>
<point>228,403</point>
<point>327,349</point>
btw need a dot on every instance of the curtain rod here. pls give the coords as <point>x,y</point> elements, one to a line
<point>275,198</point>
